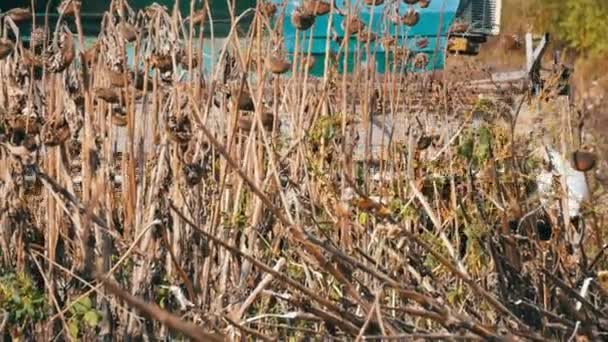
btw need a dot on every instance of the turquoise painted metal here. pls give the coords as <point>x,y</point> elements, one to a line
<point>433,27</point>
<point>92,12</point>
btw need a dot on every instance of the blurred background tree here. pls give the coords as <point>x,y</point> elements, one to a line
<point>579,24</point>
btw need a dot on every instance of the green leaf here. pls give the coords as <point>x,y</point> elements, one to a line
<point>73,328</point>
<point>92,318</point>
<point>466,148</point>
<point>483,147</point>
<point>578,23</point>
<point>83,305</point>
<point>19,314</point>
<point>363,218</point>
<point>28,308</point>
<point>454,295</point>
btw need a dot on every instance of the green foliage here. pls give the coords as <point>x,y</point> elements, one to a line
<point>21,299</point>
<point>584,25</point>
<point>533,163</point>
<point>82,314</point>
<point>430,261</point>
<point>363,218</point>
<point>324,129</point>
<point>581,24</point>
<point>83,305</point>
<point>476,145</point>
<point>465,149</point>
<point>240,220</point>
<point>483,106</point>
<point>484,143</point>
<point>407,212</point>
<point>334,292</point>
<point>163,295</point>
<point>296,272</point>
<point>477,260</point>
<point>456,295</point>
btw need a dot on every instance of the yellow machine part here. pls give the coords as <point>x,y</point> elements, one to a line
<point>458,44</point>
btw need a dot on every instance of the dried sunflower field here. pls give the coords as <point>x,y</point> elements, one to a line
<point>148,195</point>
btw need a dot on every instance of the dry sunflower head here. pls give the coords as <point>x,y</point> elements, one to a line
<point>388,42</point>
<point>25,124</point>
<point>56,131</point>
<point>60,56</point>
<point>122,6</point>
<point>179,129</point>
<point>307,61</point>
<point>367,36</point>
<point>161,62</point>
<point>6,48</point>
<point>154,10</point>
<point>20,75</point>
<point>421,60</point>
<point>317,7</point>
<point>268,8</point>
<point>245,122</point>
<point>302,19</point>
<point>67,49</point>
<point>401,54</point>
<point>38,37</point>
<point>166,42</point>
<point>353,25</point>
<point>277,64</point>
<point>111,47</point>
<point>109,95</point>
<point>410,18</point>
<point>127,31</point>
<point>69,7</point>
<point>119,116</point>
<point>19,14</point>
<point>73,84</point>
<point>193,173</point>
<point>30,143</point>
<point>244,102</point>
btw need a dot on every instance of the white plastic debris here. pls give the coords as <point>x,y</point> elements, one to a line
<point>584,291</point>
<point>576,183</point>
<point>181,299</point>
<point>348,194</point>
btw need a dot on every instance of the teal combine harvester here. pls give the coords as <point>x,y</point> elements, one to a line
<point>426,29</point>
<point>422,31</point>
<point>390,31</point>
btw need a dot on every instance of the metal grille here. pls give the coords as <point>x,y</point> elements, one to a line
<point>483,15</point>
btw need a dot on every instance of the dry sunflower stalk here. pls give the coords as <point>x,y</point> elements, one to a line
<point>237,204</point>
